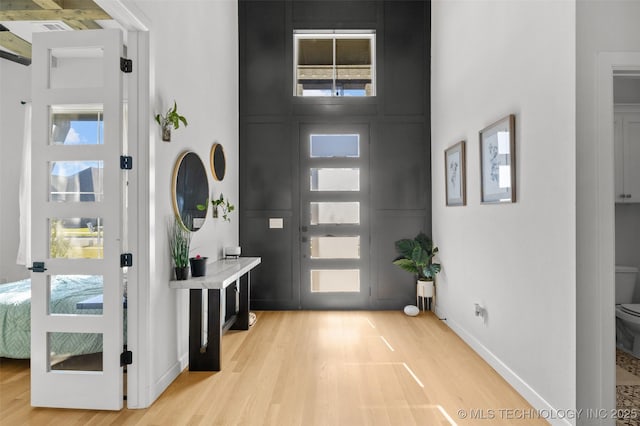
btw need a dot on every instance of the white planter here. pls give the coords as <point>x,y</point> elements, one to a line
<point>425,288</point>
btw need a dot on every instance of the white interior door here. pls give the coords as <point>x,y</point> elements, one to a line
<point>77,204</point>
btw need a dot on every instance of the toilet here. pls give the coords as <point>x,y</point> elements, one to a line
<point>627,313</point>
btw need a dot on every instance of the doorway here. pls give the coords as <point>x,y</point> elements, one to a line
<point>334,219</point>
<point>626,137</point>
<point>597,368</point>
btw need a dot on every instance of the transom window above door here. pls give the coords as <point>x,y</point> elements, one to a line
<point>330,63</point>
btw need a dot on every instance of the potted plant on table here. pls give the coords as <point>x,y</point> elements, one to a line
<point>198,266</point>
<point>179,243</point>
<point>416,256</point>
<point>171,118</point>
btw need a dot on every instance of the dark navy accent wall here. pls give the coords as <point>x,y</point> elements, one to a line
<point>270,120</point>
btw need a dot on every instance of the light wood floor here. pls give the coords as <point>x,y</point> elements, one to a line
<point>312,368</point>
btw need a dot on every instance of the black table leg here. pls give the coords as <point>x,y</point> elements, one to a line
<point>242,320</point>
<point>204,358</point>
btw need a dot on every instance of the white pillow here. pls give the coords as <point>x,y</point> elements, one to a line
<point>411,310</point>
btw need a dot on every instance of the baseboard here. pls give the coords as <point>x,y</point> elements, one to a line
<point>184,361</point>
<point>527,392</point>
<point>167,378</point>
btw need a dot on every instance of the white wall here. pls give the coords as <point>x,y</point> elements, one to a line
<point>602,26</point>
<point>491,59</point>
<point>15,85</point>
<point>194,60</point>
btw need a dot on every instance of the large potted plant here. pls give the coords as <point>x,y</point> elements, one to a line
<point>179,243</point>
<point>416,256</point>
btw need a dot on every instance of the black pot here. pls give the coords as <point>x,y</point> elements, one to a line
<point>182,273</point>
<point>198,266</point>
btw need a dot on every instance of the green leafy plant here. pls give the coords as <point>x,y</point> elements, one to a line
<point>224,205</point>
<point>171,118</point>
<point>416,256</point>
<point>179,243</point>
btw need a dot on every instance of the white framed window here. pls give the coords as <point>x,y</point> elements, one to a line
<point>330,63</point>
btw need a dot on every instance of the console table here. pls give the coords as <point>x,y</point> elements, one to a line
<point>204,355</point>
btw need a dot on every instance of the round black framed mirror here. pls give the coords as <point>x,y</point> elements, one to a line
<point>218,162</point>
<point>190,191</point>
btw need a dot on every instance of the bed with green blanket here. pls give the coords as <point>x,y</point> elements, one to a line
<point>66,292</point>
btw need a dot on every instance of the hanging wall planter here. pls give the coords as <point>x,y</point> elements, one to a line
<point>170,119</point>
<point>166,133</point>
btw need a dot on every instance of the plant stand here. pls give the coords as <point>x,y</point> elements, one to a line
<point>424,290</point>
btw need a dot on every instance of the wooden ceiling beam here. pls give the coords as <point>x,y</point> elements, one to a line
<point>82,25</point>
<point>75,24</point>
<point>54,15</point>
<point>18,5</point>
<point>79,4</point>
<point>15,58</point>
<point>48,4</point>
<point>16,44</point>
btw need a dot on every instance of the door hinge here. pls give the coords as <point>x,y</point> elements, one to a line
<point>126,162</point>
<point>126,259</point>
<point>37,267</point>
<point>126,65</point>
<point>126,357</point>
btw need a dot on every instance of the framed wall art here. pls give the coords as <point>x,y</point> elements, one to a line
<point>455,175</point>
<point>497,162</point>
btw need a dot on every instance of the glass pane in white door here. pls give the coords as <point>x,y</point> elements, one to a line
<point>75,351</point>
<point>73,67</point>
<point>335,280</point>
<point>73,181</point>
<point>76,125</point>
<point>76,238</point>
<point>76,294</point>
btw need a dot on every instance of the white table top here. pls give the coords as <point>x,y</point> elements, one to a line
<point>220,273</point>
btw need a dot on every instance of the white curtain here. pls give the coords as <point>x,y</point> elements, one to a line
<point>24,250</point>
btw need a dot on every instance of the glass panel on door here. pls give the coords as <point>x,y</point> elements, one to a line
<point>331,247</point>
<point>76,295</point>
<point>335,280</point>
<point>75,351</point>
<point>329,212</point>
<point>76,67</point>
<point>76,125</point>
<point>76,238</point>
<point>334,179</point>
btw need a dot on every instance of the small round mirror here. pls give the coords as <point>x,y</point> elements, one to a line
<point>190,191</point>
<point>218,162</point>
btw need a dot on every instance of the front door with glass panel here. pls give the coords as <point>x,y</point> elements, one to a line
<point>334,231</point>
<point>77,205</point>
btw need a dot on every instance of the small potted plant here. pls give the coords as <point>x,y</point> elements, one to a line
<point>416,256</point>
<point>198,266</point>
<point>179,242</point>
<point>171,118</point>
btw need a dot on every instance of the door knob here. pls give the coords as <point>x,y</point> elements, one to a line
<point>304,229</point>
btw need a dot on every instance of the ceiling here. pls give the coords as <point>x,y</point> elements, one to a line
<point>19,19</point>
